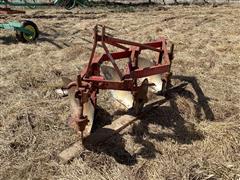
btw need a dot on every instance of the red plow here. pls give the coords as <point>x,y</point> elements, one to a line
<point>134,80</point>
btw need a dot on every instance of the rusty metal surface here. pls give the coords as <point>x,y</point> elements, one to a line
<point>89,81</point>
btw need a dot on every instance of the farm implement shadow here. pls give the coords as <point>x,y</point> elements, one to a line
<point>44,37</point>
<point>8,40</point>
<point>169,117</point>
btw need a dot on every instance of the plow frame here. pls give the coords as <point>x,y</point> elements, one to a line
<point>89,81</point>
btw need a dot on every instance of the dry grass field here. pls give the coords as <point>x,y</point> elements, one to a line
<point>194,135</point>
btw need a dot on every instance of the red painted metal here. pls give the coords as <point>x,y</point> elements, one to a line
<point>89,81</point>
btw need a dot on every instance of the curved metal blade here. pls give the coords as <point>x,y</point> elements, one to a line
<point>88,110</point>
<point>155,79</point>
<point>123,97</point>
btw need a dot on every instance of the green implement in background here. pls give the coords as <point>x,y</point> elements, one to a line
<point>68,4</point>
<point>27,31</point>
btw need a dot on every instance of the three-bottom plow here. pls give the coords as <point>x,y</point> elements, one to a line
<point>129,87</point>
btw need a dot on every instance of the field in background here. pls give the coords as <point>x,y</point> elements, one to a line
<point>195,135</point>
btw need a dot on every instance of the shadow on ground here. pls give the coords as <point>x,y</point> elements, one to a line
<point>167,117</point>
<point>44,37</point>
<point>115,146</point>
<point>8,40</point>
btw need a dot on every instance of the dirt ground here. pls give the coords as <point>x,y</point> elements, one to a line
<point>194,135</point>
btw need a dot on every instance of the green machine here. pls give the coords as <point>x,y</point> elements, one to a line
<point>27,31</point>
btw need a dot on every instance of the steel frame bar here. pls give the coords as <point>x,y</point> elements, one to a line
<point>92,71</point>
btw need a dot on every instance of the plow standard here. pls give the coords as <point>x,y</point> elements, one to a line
<point>129,86</point>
